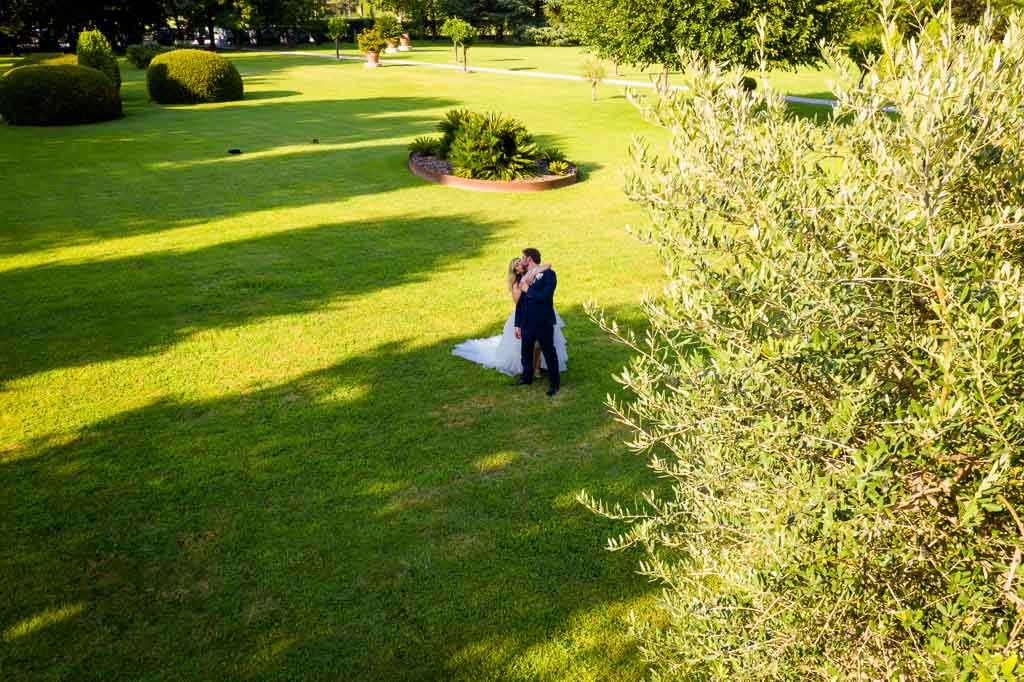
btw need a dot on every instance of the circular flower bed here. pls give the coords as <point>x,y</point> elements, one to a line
<point>490,153</point>
<point>438,170</point>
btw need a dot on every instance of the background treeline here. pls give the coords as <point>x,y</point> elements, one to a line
<point>49,25</point>
<point>625,30</point>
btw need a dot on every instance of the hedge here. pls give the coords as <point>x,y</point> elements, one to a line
<point>94,51</point>
<point>141,55</point>
<point>193,77</point>
<point>65,94</point>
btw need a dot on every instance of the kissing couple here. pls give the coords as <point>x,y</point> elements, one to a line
<point>532,339</point>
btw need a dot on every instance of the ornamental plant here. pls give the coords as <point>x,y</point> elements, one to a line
<point>192,77</point>
<point>337,28</point>
<point>424,145</point>
<point>388,27</point>
<point>462,34</point>
<point>94,51</point>
<point>830,388</point>
<point>493,147</point>
<point>61,94</point>
<point>449,127</point>
<point>370,40</point>
<point>141,55</point>
<point>452,29</point>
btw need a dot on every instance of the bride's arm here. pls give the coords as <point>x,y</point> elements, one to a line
<point>532,274</point>
<point>516,293</point>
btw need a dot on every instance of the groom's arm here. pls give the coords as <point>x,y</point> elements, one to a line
<point>543,289</point>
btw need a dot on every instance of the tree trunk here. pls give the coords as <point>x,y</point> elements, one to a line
<point>616,68</point>
<point>337,48</point>
<point>465,60</point>
<point>213,42</point>
<point>593,91</point>
<point>664,74</point>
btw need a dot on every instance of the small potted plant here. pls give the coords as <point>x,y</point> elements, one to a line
<point>403,43</point>
<point>370,44</point>
<point>390,30</point>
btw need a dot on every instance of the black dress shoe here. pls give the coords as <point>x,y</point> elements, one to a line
<point>523,381</point>
<point>552,391</point>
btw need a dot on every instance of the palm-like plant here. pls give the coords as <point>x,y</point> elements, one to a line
<point>493,147</point>
<point>449,128</point>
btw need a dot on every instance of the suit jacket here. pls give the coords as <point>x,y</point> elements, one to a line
<point>539,306</point>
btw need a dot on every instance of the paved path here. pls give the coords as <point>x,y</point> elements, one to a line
<point>509,72</point>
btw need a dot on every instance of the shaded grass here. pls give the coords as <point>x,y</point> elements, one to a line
<point>233,440</point>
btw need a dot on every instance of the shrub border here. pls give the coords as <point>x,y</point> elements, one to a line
<point>538,184</point>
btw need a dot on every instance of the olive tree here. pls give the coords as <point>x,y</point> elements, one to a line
<point>831,388</point>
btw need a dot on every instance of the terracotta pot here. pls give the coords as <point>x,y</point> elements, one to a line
<point>392,47</point>
<point>372,59</point>
<point>404,43</point>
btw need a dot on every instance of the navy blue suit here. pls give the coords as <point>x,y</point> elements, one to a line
<point>535,317</point>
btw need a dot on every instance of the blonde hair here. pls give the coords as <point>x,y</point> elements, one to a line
<point>513,276</point>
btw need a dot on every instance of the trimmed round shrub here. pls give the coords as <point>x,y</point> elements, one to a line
<point>141,55</point>
<point>94,51</point>
<point>57,95</point>
<point>192,77</point>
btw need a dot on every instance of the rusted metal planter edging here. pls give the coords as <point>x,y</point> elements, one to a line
<point>532,185</point>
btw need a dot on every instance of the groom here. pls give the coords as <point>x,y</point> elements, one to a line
<point>537,322</point>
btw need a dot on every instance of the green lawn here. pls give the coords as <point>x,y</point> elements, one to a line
<point>234,442</point>
<point>803,81</point>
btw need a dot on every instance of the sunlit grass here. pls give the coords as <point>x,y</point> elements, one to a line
<point>42,620</point>
<point>232,432</point>
<point>806,81</point>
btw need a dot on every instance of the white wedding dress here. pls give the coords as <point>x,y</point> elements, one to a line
<point>504,353</point>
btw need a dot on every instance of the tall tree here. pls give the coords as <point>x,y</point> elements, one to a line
<point>425,14</point>
<point>646,33</point>
<point>13,16</point>
<point>121,21</point>
<point>205,14</point>
<point>499,16</point>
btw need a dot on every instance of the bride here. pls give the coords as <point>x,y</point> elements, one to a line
<point>504,353</point>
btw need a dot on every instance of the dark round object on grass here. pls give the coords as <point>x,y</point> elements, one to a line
<point>66,94</point>
<point>234,151</point>
<point>193,77</point>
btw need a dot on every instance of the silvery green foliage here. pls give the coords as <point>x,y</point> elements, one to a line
<point>831,386</point>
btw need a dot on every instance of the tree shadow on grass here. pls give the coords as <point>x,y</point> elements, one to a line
<point>270,94</point>
<point>402,514</point>
<point>162,176</point>
<point>75,314</point>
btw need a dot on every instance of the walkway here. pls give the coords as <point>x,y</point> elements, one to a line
<point>508,72</point>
